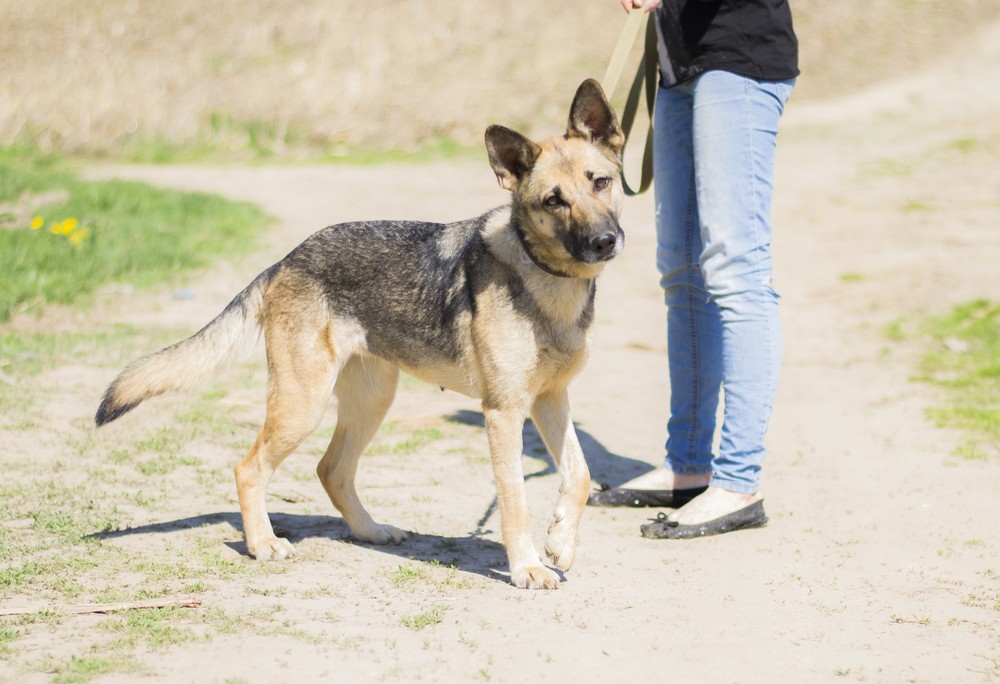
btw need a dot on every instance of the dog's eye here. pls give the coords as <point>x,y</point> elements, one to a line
<point>553,201</point>
<point>601,183</point>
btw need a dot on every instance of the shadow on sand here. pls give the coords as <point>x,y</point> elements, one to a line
<point>604,465</point>
<point>473,553</point>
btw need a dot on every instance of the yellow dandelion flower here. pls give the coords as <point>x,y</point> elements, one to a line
<point>77,237</point>
<point>37,222</point>
<point>65,227</point>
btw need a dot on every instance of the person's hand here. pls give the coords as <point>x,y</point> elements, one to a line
<point>648,5</point>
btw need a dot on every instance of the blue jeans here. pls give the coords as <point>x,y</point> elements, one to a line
<point>714,144</point>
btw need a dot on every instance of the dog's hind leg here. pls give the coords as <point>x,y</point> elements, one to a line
<point>301,371</point>
<point>365,389</point>
<point>550,414</point>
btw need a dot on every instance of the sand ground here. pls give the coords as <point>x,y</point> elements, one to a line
<point>881,562</point>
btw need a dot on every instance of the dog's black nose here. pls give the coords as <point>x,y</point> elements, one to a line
<point>603,243</point>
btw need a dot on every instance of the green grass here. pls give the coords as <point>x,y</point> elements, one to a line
<point>51,547</point>
<point>96,233</point>
<point>967,144</point>
<point>407,576</point>
<point>421,620</point>
<point>964,360</point>
<point>84,668</point>
<point>7,638</point>
<point>151,626</point>
<point>227,138</point>
<point>393,440</point>
<point>416,440</point>
<point>25,355</point>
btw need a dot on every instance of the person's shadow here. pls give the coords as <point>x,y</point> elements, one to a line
<point>604,466</point>
<point>473,553</point>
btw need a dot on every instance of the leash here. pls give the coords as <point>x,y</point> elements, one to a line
<point>625,42</point>
<point>645,80</point>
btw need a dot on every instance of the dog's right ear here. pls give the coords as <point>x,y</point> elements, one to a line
<point>511,155</point>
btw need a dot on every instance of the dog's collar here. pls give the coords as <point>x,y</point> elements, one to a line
<point>527,250</point>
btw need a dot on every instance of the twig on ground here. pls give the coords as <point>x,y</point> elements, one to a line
<point>103,608</point>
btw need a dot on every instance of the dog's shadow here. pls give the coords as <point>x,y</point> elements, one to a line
<point>472,553</point>
<point>604,465</point>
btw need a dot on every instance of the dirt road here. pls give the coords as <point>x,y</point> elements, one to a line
<point>882,559</point>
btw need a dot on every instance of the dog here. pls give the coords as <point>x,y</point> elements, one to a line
<point>495,307</point>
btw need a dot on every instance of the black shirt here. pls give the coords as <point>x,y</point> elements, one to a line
<point>751,38</point>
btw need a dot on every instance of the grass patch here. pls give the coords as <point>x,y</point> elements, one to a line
<point>29,354</point>
<point>964,359</point>
<point>433,149</point>
<point>62,237</point>
<point>406,576</point>
<point>164,449</point>
<point>150,626</point>
<point>417,439</point>
<point>226,138</point>
<point>392,439</point>
<point>12,577</point>
<point>51,548</point>
<point>967,144</point>
<point>421,620</point>
<point>7,637</point>
<point>888,168</point>
<point>84,668</point>
<point>916,205</point>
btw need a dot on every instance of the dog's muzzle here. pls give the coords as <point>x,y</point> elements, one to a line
<point>607,244</point>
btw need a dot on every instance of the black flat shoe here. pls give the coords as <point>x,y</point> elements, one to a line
<point>642,498</point>
<point>745,518</point>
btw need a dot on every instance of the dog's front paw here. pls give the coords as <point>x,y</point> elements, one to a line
<point>560,544</point>
<point>381,535</point>
<point>560,557</point>
<point>534,577</point>
<point>270,548</point>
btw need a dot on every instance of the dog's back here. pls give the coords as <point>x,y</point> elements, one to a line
<point>407,284</point>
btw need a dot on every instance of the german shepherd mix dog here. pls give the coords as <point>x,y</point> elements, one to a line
<point>495,307</point>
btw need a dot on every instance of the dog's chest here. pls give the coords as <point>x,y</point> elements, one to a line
<point>560,350</point>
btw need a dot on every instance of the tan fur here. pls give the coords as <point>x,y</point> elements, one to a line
<point>518,357</point>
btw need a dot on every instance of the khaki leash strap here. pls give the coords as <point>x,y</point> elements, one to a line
<point>645,76</point>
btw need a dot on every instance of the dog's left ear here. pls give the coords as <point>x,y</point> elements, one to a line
<point>593,119</point>
<point>511,155</point>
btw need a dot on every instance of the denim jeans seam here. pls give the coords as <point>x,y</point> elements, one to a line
<point>695,359</point>
<point>754,189</point>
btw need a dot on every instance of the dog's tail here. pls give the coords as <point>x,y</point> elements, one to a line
<point>183,365</point>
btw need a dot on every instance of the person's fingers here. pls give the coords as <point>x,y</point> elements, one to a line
<point>648,5</point>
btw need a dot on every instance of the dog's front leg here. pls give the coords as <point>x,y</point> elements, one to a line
<point>551,416</point>
<point>503,429</point>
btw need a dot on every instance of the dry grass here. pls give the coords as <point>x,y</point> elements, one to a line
<point>115,76</point>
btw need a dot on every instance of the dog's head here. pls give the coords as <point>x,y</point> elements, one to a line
<point>567,192</point>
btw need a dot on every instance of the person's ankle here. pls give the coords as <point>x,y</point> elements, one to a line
<point>661,478</point>
<point>691,481</point>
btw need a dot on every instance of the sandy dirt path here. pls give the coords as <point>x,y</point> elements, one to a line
<point>882,559</point>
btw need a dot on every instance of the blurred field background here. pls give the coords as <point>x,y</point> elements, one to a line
<point>314,79</point>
